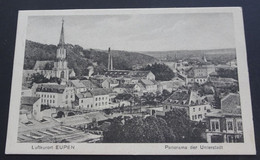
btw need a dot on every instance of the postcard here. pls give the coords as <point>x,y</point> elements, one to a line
<point>169,81</point>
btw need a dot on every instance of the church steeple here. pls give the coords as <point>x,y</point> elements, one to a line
<point>61,51</point>
<point>62,41</point>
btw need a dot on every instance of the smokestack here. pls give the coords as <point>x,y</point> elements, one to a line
<point>108,64</point>
<point>111,63</point>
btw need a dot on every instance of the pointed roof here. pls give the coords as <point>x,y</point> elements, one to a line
<point>62,41</point>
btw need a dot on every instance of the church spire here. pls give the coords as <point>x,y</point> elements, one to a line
<point>62,41</point>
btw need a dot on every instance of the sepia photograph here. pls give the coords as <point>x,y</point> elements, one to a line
<point>143,77</point>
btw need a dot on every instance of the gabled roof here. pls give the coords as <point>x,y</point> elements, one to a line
<point>54,88</point>
<point>99,91</point>
<point>84,95</point>
<point>111,81</point>
<point>178,97</point>
<point>146,82</point>
<point>126,73</point>
<point>76,83</point>
<point>29,100</point>
<point>44,65</point>
<point>231,104</point>
<point>89,84</point>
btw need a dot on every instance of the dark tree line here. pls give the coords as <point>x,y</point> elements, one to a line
<point>174,127</point>
<point>161,71</point>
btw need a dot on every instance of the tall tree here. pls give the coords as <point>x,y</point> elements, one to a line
<point>161,71</point>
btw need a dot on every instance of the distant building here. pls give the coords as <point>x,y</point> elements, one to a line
<point>82,85</point>
<point>197,75</point>
<point>225,124</point>
<point>130,74</point>
<point>223,82</point>
<point>232,63</point>
<point>109,83</point>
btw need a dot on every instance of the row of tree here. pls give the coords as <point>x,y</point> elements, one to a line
<point>174,127</point>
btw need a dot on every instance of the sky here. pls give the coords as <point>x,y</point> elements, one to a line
<point>140,32</point>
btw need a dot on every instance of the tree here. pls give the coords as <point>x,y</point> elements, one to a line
<point>139,130</point>
<point>179,122</point>
<point>161,71</point>
<point>114,133</point>
<point>228,73</point>
<point>38,78</point>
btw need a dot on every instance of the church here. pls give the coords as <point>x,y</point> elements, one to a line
<point>57,68</point>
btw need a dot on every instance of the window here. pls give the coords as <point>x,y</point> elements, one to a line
<point>193,109</point>
<point>214,125</point>
<point>47,96</point>
<point>50,96</point>
<point>205,108</point>
<point>96,104</point>
<point>88,105</point>
<point>229,125</point>
<point>102,98</point>
<point>82,101</point>
<point>195,116</point>
<point>71,96</point>
<point>53,96</point>
<point>199,108</point>
<point>239,126</point>
<point>53,101</point>
<point>99,98</point>
<point>192,117</point>
<point>96,99</point>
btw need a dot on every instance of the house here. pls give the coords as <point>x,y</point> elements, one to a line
<point>84,100</point>
<point>195,106</point>
<point>78,85</point>
<point>100,98</point>
<point>89,84</point>
<point>171,85</point>
<point>56,95</point>
<point>223,82</point>
<point>197,75</point>
<point>129,73</point>
<point>33,106</point>
<point>149,85</point>
<point>109,83</point>
<point>225,125</point>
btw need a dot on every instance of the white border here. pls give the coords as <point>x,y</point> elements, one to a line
<point>246,148</point>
